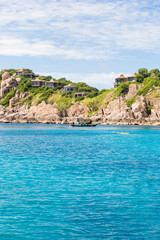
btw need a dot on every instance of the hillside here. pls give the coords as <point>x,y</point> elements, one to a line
<point>131,103</point>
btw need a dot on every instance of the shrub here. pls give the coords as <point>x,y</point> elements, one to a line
<point>139,78</point>
<point>5,101</point>
<point>45,78</point>
<point>78,99</point>
<point>101,91</point>
<point>24,85</point>
<point>130,102</point>
<point>149,108</point>
<point>64,103</point>
<point>83,87</point>
<point>149,84</point>
<point>122,89</point>
<point>143,72</point>
<point>11,71</point>
<point>63,82</point>
<point>155,71</point>
<point>92,94</point>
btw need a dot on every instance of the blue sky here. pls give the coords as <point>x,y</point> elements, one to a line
<point>91,41</point>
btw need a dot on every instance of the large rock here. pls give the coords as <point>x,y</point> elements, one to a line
<point>78,110</point>
<point>7,85</point>
<point>139,108</point>
<point>5,76</point>
<point>133,89</point>
<point>44,113</point>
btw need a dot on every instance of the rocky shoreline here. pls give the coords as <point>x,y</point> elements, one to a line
<point>145,110</point>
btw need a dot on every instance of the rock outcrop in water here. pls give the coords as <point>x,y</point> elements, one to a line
<point>144,110</point>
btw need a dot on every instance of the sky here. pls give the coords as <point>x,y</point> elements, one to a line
<point>81,40</point>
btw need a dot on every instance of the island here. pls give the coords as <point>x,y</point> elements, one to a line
<point>26,97</point>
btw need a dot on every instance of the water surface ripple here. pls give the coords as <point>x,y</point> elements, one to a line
<point>62,183</point>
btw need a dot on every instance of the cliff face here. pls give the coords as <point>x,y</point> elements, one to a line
<point>145,110</point>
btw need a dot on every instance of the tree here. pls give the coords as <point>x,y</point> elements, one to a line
<point>144,72</point>
<point>139,78</point>
<point>155,71</point>
<point>45,78</point>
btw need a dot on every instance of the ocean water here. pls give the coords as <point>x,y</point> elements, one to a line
<point>58,182</point>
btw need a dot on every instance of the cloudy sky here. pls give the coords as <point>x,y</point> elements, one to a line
<point>82,40</point>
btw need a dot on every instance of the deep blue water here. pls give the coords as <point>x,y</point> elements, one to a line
<point>57,182</point>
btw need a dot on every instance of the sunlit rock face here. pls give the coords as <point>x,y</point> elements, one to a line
<point>8,83</point>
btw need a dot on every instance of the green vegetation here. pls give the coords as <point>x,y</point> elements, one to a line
<point>83,87</point>
<point>148,84</point>
<point>45,78</point>
<point>149,108</point>
<point>147,80</point>
<point>5,101</point>
<point>63,82</point>
<point>94,103</point>
<point>40,94</point>
<point>130,102</point>
<point>25,85</point>
<point>122,89</point>
<point>64,103</point>
<point>28,70</point>
<point>142,74</point>
<point>80,98</point>
<point>156,72</point>
<point>10,70</point>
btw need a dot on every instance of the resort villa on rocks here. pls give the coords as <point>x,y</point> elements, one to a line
<point>36,82</point>
<point>122,78</point>
<point>26,73</point>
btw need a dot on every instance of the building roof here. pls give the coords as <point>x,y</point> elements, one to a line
<point>53,81</point>
<point>121,76</point>
<point>133,75</point>
<point>21,70</point>
<point>70,85</point>
<point>30,73</point>
<point>37,80</point>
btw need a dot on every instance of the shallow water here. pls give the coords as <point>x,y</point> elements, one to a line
<point>57,182</point>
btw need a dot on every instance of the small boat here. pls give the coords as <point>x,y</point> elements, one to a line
<point>84,124</point>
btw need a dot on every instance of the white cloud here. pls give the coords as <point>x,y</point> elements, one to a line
<point>78,29</point>
<point>23,47</point>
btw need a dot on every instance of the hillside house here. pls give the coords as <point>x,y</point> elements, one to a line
<point>80,94</point>
<point>122,78</point>
<point>52,83</point>
<point>37,82</point>
<point>132,77</point>
<point>119,80</point>
<point>27,74</point>
<point>69,88</point>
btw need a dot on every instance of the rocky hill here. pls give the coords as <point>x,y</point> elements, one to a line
<point>135,103</point>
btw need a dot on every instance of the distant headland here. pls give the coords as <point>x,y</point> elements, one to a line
<point>26,97</point>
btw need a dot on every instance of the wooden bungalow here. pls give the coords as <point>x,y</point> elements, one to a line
<point>132,77</point>
<point>52,83</point>
<point>69,88</point>
<point>80,94</point>
<point>119,80</point>
<point>37,82</point>
<point>27,74</point>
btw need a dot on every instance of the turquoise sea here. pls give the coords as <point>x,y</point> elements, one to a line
<point>57,182</point>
